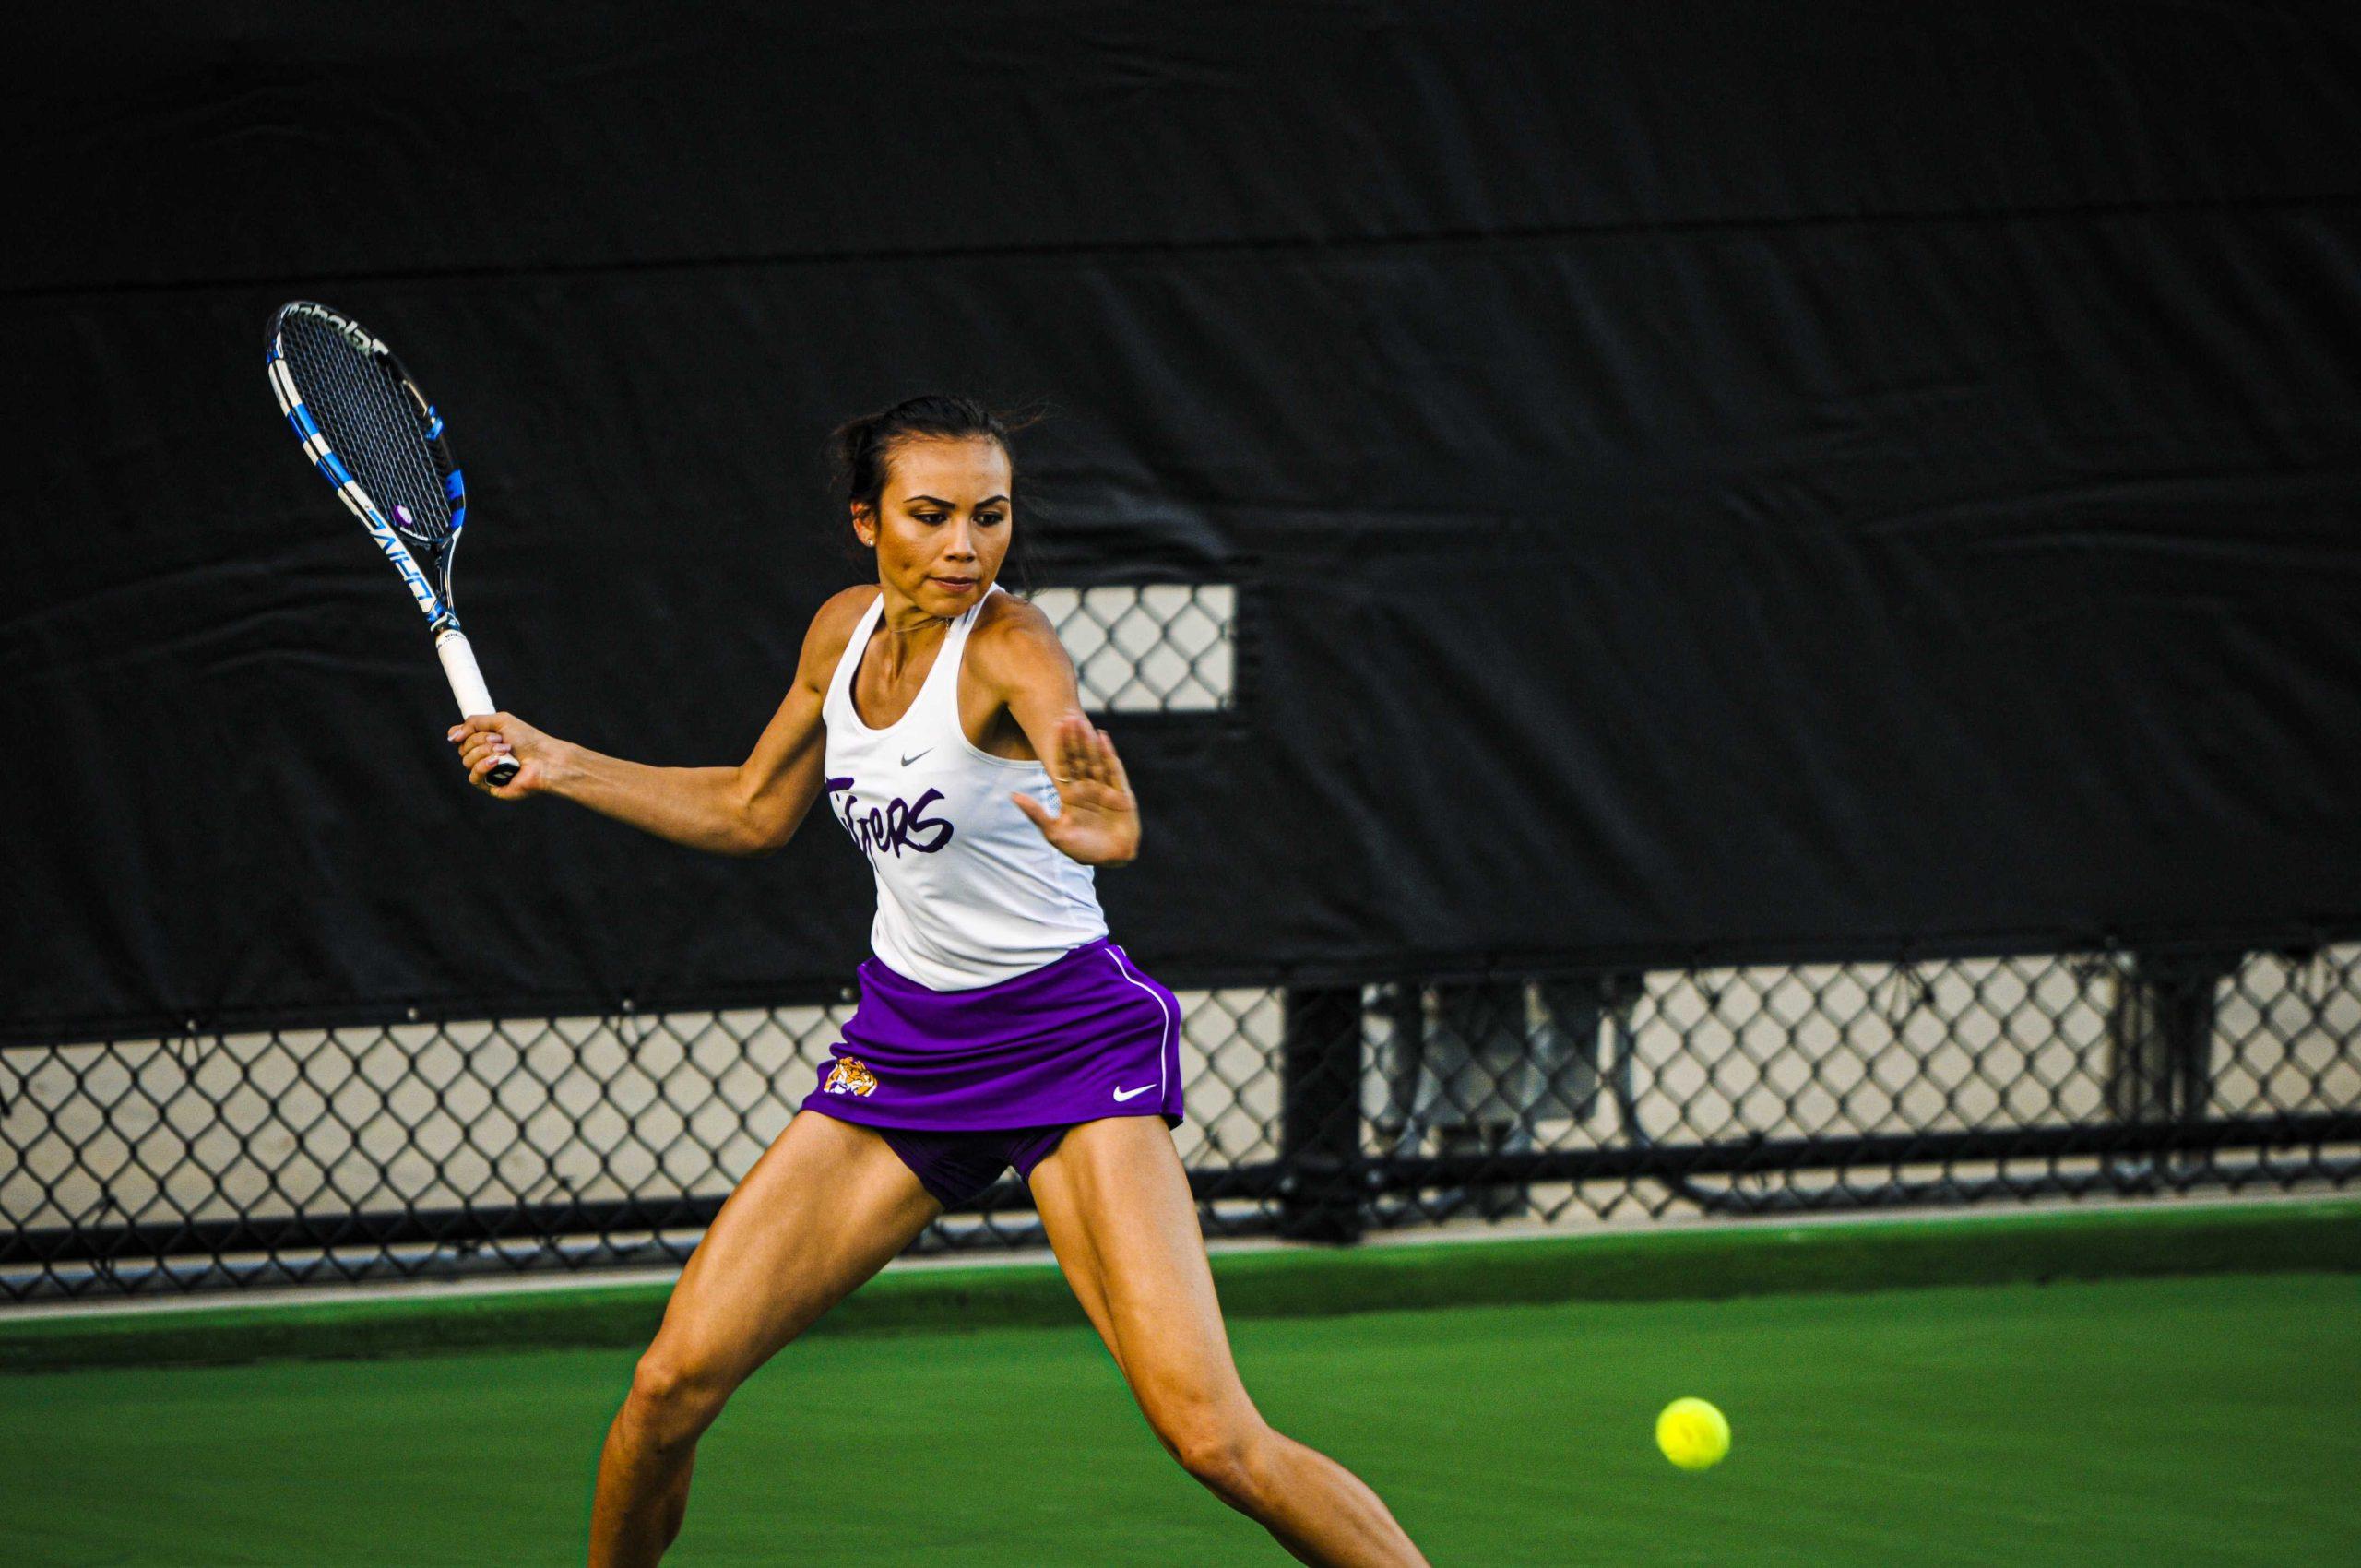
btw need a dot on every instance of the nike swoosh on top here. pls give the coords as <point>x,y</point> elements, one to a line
<point>1128,1094</point>
<point>914,757</point>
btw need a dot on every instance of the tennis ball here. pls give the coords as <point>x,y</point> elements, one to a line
<point>1693,1434</point>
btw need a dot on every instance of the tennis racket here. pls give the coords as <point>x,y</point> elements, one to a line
<point>377,440</point>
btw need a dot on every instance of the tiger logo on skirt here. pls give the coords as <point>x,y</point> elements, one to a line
<point>849,1076</point>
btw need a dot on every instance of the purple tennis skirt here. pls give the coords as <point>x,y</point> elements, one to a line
<point>1082,1037</point>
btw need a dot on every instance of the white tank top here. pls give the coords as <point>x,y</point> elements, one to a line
<point>968,892</point>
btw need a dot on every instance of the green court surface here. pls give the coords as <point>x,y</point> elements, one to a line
<point>2134,1421</point>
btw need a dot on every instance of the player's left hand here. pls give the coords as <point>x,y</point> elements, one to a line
<point>1097,821</point>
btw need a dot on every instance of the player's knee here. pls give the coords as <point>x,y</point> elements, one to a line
<point>1223,1454</point>
<point>675,1397</point>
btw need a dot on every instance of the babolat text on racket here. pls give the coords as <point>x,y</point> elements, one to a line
<point>379,444</point>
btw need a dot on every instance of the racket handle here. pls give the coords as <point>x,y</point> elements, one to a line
<point>475,697</point>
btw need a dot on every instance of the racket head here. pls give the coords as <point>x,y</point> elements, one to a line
<point>373,435</point>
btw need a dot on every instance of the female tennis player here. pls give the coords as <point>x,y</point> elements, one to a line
<point>997,1025</point>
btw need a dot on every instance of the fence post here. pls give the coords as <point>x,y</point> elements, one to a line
<point>1320,1114</point>
<point>2160,1033</point>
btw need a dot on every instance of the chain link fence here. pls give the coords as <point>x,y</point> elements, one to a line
<point>340,1155</point>
<point>1569,1097</point>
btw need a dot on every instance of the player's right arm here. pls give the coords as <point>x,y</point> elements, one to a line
<point>750,809</point>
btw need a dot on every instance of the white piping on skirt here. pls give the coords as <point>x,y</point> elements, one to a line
<point>1116,954</point>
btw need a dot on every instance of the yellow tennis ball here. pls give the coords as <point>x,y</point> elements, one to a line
<point>1693,1434</point>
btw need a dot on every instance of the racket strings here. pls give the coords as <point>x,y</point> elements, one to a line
<point>374,424</point>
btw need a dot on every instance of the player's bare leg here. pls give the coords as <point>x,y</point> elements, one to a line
<point>1117,1207</point>
<point>827,1207</point>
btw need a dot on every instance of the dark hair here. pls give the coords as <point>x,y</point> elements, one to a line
<point>860,450</point>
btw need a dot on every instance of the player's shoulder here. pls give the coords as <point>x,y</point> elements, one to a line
<point>1013,648</point>
<point>844,607</point>
<point>1004,617</point>
<point>1009,627</point>
<point>832,626</point>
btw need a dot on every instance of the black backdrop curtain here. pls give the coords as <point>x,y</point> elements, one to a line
<point>1709,481</point>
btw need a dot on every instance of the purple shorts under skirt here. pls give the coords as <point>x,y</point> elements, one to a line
<point>957,1167</point>
<point>1084,1036</point>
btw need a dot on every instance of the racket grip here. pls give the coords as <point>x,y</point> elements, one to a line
<point>467,685</point>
